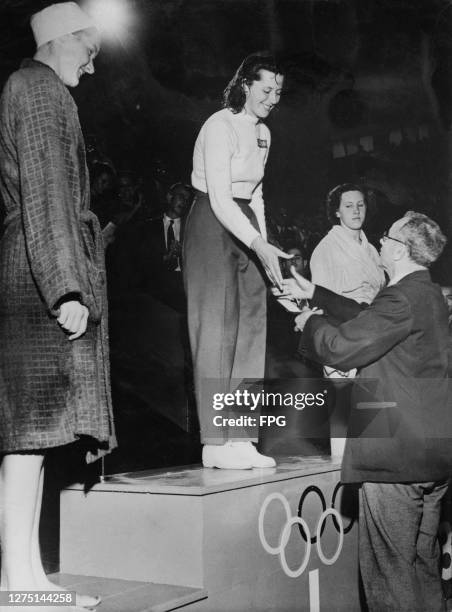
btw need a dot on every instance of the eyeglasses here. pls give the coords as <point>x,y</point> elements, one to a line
<point>386,237</point>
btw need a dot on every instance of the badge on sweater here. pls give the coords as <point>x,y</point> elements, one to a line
<point>262,143</point>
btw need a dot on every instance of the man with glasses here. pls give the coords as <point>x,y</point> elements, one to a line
<point>386,236</point>
<point>400,341</point>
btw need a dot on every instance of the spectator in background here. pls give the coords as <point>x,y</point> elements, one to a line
<point>122,234</point>
<point>159,243</point>
<point>158,179</point>
<point>344,261</point>
<point>130,199</point>
<point>178,198</point>
<point>299,259</point>
<point>103,192</point>
<point>282,230</point>
<point>127,210</point>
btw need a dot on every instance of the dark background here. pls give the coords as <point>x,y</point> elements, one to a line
<point>357,68</point>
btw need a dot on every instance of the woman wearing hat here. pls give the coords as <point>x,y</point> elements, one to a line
<point>226,255</point>
<point>54,378</point>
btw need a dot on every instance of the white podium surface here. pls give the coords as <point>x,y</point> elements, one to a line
<point>239,535</point>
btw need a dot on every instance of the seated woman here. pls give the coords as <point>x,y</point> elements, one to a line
<point>344,261</point>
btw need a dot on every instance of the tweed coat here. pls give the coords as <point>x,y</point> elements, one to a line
<point>52,391</point>
<point>400,341</point>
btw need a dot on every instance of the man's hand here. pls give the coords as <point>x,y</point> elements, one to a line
<point>269,256</point>
<point>296,288</point>
<point>302,318</point>
<point>73,318</point>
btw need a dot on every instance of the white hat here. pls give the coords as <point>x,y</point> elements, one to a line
<point>57,20</point>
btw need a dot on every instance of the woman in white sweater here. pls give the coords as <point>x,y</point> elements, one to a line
<point>225,255</point>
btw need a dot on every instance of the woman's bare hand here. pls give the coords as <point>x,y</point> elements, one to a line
<point>269,256</point>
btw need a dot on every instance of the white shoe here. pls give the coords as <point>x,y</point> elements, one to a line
<point>257,459</point>
<point>235,456</point>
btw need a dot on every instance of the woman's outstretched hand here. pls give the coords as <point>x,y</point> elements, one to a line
<point>269,256</point>
<point>73,318</point>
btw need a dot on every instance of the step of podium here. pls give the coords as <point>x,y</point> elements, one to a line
<point>222,532</point>
<point>131,596</point>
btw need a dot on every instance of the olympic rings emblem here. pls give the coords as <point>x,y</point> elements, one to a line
<point>304,530</point>
<point>314,489</point>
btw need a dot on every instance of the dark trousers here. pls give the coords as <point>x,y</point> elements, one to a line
<point>226,309</point>
<point>398,546</point>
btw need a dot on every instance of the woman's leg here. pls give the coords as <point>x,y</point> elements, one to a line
<point>42,582</point>
<point>227,333</point>
<point>36,563</point>
<point>21,495</point>
<point>210,270</point>
<point>19,475</point>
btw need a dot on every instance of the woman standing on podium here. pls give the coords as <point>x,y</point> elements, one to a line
<point>226,253</point>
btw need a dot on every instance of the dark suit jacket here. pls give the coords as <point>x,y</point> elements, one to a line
<point>154,238</point>
<point>400,340</point>
<point>153,274</point>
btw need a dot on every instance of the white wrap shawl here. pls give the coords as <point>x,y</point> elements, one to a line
<point>346,266</point>
<point>350,268</point>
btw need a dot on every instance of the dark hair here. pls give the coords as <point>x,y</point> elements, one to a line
<point>234,96</point>
<point>333,199</point>
<point>288,245</point>
<point>423,238</point>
